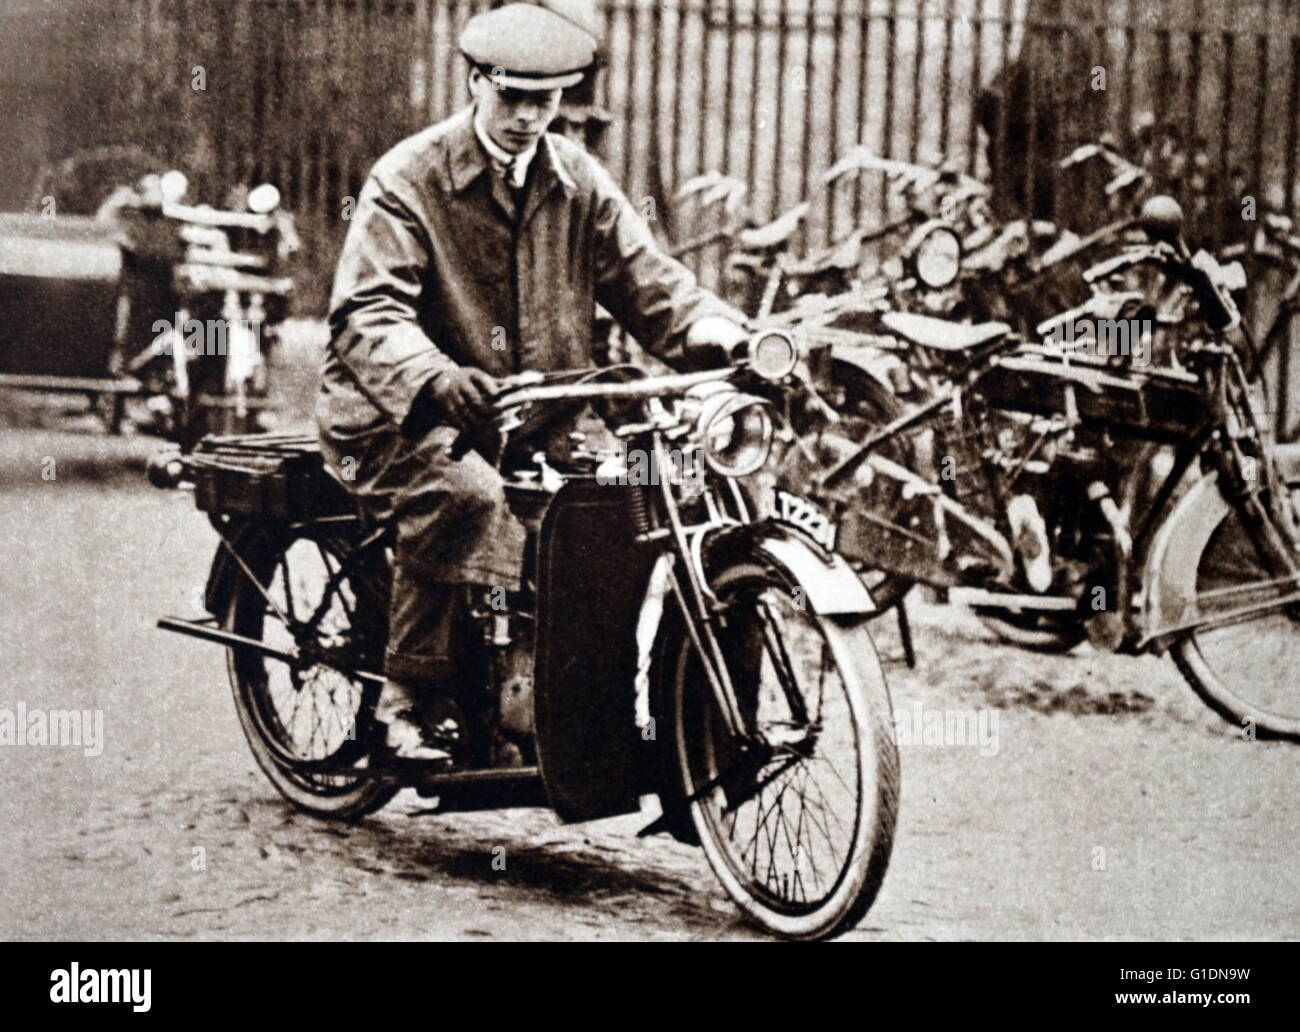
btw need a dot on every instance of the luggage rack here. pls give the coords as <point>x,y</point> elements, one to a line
<point>276,476</point>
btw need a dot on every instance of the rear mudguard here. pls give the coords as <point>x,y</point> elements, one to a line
<point>225,573</point>
<point>1169,574</point>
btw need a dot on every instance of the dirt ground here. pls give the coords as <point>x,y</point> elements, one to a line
<point>1102,801</point>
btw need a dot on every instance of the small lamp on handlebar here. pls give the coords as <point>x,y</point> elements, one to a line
<point>770,354</point>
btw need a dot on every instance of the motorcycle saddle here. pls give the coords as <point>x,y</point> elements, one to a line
<point>774,233</point>
<point>941,334</point>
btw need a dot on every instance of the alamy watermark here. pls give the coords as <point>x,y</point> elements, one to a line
<point>79,728</point>
<point>917,725</point>
<point>637,468</point>
<point>75,984</point>
<point>1103,338</point>
<point>205,338</point>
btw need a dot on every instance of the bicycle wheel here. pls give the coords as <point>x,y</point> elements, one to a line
<point>797,821</point>
<point>306,719</point>
<point>1244,660</point>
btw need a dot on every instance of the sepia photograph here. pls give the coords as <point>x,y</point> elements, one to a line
<point>629,470</point>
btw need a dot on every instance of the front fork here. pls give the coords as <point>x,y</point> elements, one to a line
<point>697,602</point>
<point>702,609</point>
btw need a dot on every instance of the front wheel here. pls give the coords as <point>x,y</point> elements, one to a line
<point>796,818</point>
<point>1245,657</point>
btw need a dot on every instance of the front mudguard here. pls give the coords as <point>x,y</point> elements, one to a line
<point>879,373</point>
<point>825,582</point>
<point>1172,562</point>
<point>825,579</point>
<point>1169,573</point>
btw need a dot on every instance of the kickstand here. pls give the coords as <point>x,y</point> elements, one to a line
<point>905,634</point>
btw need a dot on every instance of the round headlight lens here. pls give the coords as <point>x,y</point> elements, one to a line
<point>736,432</point>
<point>263,199</point>
<point>938,258</point>
<point>173,185</point>
<point>773,355</point>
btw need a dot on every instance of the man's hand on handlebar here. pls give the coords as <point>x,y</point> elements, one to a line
<point>716,331</point>
<point>460,397</point>
<point>463,396</point>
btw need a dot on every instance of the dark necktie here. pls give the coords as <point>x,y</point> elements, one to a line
<point>507,194</point>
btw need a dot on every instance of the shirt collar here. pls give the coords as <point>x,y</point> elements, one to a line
<point>502,158</point>
<point>467,157</point>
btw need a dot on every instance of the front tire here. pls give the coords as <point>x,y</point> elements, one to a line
<point>834,746</point>
<point>1248,672</point>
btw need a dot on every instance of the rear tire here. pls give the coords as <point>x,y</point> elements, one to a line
<point>269,694</point>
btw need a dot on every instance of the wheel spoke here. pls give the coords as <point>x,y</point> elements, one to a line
<point>309,712</point>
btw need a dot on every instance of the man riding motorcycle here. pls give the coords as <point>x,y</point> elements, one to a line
<point>478,249</point>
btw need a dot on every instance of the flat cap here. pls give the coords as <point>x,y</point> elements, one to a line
<point>533,46</point>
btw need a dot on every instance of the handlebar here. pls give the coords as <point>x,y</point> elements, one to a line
<point>759,355</point>
<point>529,390</point>
<point>203,216</point>
<point>1126,173</point>
<point>1200,272</point>
<point>527,393</point>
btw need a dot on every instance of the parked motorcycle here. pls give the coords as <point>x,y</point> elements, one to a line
<point>162,313</point>
<point>667,641</point>
<point>919,247</point>
<point>1016,494</point>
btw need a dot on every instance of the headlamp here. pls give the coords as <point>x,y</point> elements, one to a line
<point>936,257</point>
<point>773,355</point>
<point>734,431</point>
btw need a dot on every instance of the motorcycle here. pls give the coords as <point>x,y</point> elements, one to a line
<point>667,641</point>
<point>916,251</point>
<point>1017,491</point>
<point>162,313</point>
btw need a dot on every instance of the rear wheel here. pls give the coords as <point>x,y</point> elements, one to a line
<point>309,721</point>
<point>1040,631</point>
<point>797,821</point>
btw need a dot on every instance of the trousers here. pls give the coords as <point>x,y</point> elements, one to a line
<point>452,528</point>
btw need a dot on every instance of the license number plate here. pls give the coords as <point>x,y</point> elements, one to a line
<point>801,513</point>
